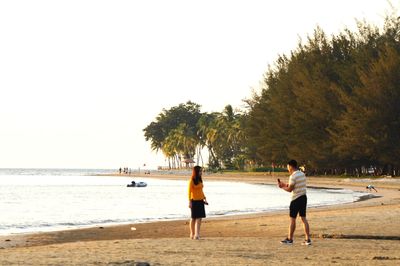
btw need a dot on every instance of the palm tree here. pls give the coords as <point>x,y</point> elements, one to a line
<point>230,136</point>
<point>208,135</point>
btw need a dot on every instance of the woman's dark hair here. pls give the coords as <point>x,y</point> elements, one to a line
<point>196,175</point>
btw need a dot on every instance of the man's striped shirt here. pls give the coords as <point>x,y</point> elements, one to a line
<point>298,179</point>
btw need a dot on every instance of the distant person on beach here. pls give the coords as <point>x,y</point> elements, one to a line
<point>120,170</point>
<point>197,199</point>
<point>298,204</point>
<point>370,187</point>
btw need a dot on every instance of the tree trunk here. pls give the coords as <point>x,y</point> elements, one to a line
<point>198,154</point>
<point>201,157</point>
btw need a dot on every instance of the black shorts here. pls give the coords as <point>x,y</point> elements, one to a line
<point>298,205</point>
<point>197,209</point>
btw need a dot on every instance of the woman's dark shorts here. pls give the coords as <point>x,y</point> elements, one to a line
<point>197,209</point>
<point>298,205</point>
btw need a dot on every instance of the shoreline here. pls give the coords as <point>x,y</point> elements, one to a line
<point>259,179</point>
<point>371,222</point>
<point>212,178</point>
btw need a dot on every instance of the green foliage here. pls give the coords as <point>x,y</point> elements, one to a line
<point>368,131</point>
<point>175,132</point>
<point>333,103</point>
<point>182,131</point>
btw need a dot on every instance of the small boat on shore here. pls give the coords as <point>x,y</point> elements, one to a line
<point>137,184</point>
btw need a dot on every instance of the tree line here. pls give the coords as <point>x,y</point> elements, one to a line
<point>332,104</point>
<point>183,131</point>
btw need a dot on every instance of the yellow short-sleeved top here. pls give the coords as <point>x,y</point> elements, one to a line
<point>196,191</point>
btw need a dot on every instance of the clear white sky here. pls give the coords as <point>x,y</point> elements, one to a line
<point>79,80</point>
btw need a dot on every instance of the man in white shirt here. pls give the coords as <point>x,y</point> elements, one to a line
<point>297,186</point>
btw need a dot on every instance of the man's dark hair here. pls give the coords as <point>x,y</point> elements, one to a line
<point>292,163</point>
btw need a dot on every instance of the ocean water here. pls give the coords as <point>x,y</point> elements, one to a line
<point>36,200</point>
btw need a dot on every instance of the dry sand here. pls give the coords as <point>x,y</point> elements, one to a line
<point>365,232</point>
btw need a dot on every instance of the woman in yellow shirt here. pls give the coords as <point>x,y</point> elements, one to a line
<point>196,202</point>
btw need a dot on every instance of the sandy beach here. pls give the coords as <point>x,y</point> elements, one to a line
<point>365,232</point>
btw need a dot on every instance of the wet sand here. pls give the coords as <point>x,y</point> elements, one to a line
<point>365,232</point>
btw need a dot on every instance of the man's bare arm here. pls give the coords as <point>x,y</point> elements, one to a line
<point>288,188</point>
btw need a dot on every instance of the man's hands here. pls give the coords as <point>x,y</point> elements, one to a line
<point>281,184</point>
<point>286,186</point>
